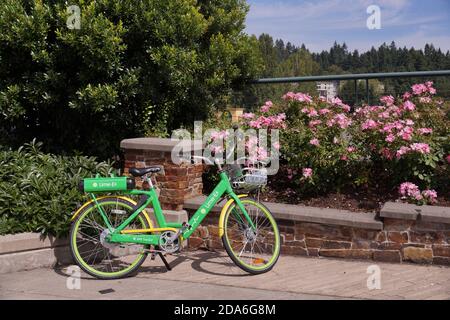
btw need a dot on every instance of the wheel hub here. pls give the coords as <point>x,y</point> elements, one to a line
<point>104,241</point>
<point>250,235</point>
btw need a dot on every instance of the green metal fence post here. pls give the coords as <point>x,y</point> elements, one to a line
<point>367,90</point>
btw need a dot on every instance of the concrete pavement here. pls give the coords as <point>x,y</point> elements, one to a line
<point>212,275</point>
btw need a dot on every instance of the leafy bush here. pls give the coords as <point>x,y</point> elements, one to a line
<point>316,143</point>
<point>133,68</point>
<point>38,191</point>
<point>326,147</point>
<point>407,138</point>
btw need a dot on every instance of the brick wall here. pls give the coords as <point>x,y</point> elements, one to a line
<point>176,182</point>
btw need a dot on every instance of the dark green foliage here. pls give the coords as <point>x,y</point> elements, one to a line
<point>134,68</point>
<point>38,191</point>
<point>279,60</point>
<point>388,58</point>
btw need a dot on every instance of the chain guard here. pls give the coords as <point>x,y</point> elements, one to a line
<point>166,243</point>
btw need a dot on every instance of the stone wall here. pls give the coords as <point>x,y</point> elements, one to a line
<point>344,236</point>
<point>177,183</point>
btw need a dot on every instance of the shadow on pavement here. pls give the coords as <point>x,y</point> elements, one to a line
<point>209,262</point>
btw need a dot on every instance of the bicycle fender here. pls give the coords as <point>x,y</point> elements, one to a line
<point>224,210</point>
<point>77,212</point>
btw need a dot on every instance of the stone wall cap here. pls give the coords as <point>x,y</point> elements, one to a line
<point>406,211</point>
<point>158,144</point>
<point>307,214</point>
<point>28,241</point>
<point>435,214</point>
<point>399,210</point>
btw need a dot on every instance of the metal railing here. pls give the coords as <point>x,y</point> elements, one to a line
<point>355,77</point>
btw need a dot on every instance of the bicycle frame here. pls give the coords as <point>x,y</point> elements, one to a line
<point>119,235</point>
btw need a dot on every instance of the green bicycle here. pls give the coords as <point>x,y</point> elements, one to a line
<point>111,236</point>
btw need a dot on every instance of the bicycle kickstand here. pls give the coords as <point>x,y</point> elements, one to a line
<point>165,261</point>
<point>159,253</point>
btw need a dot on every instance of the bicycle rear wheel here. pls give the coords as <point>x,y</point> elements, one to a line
<point>93,253</point>
<point>253,250</point>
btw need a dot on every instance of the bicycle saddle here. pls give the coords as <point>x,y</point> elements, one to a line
<point>135,172</point>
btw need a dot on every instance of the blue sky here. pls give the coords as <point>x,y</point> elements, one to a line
<point>317,24</point>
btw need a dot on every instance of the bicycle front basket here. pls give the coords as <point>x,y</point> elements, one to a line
<point>251,179</point>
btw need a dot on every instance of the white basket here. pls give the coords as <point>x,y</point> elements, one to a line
<point>251,179</point>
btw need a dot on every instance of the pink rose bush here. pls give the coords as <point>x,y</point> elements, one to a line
<point>325,146</point>
<point>411,192</point>
<point>315,139</point>
<point>265,118</point>
<point>406,138</point>
<point>396,140</point>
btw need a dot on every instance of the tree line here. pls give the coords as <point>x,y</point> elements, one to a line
<point>286,59</point>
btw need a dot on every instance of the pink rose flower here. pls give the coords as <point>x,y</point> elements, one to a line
<point>409,189</point>
<point>302,97</point>
<point>369,124</point>
<point>419,89</point>
<point>248,116</point>
<point>307,172</point>
<point>387,153</point>
<point>425,130</point>
<point>408,105</point>
<point>314,123</point>
<point>288,96</point>
<point>425,99</point>
<point>402,151</point>
<point>430,195</point>
<point>388,100</point>
<point>390,138</point>
<point>314,142</point>
<point>420,147</point>
<point>406,96</point>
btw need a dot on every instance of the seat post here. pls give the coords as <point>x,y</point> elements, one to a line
<point>148,178</point>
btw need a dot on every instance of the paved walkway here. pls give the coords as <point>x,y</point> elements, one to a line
<point>208,275</point>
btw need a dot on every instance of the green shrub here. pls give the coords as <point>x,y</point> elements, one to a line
<point>133,68</point>
<point>39,191</point>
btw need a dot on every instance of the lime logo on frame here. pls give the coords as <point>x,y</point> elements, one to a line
<point>107,184</point>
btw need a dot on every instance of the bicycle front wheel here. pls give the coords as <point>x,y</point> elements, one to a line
<point>253,250</point>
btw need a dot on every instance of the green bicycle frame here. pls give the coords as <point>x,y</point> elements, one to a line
<point>223,187</point>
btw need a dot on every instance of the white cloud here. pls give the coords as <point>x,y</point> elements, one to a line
<point>319,23</point>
